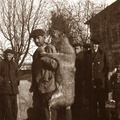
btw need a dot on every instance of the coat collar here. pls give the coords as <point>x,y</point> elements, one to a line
<point>98,53</point>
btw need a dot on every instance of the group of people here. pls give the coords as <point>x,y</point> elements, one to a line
<point>94,69</point>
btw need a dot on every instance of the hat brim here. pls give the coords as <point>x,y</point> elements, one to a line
<point>37,32</point>
<point>9,51</point>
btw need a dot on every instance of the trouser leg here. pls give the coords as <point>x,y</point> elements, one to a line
<point>93,110</point>
<point>37,112</point>
<point>10,107</point>
<point>102,110</point>
<point>1,108</point>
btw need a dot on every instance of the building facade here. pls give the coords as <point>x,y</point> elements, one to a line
<point>106,26</point>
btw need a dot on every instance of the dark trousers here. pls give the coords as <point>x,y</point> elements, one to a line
<point>76,107</point>
<point>40,109</point>
<point>45,99</point>
<point>36,112</point>
<point>67,115</point>
<point>97,104</point>
<point>8,107</point>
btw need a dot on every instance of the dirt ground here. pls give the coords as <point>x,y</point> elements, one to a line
<point>24,99</point>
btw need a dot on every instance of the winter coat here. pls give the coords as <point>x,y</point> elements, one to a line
<point>45,74</point>
<point>97,68</point>
<point>80,69</point>
<point>47,67</point>
<point>8,77</point>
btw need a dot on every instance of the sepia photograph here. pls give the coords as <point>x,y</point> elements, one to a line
<point>60,60</point>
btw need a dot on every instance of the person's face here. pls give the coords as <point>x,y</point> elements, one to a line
<point>39,41</point>
<point>95,46</point>
<point>9,56</point>
<point>78,49</point>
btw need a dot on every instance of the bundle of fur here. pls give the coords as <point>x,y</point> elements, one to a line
<point>65,73</point>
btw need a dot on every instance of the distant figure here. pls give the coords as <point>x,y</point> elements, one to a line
<point>78,48</point>
<point>79,82</point>
<point>8,87</point>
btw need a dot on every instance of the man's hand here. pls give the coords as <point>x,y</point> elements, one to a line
<point>110,75</point>
<point>109,96</point>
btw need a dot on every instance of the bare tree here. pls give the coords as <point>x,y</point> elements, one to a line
<point>71,18</point>
<point>18,19</point>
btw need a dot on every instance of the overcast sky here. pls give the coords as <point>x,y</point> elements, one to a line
<point>98,1</point>
<point>107,1</point>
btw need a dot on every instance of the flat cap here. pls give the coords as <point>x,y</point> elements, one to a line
<point>9,51</point>
<point>37,32</point>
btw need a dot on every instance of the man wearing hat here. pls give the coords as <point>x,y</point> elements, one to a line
<point>79,81</point>
<point>98,71</point>
<point>43,77</point>
<point>78,47</point>
<point>8,87</point>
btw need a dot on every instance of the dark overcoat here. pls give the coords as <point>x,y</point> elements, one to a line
<point>80,69</point>
<point>96,69</point>
<point>8,77</point>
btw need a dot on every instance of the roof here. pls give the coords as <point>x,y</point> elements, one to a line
<point>103,11</point>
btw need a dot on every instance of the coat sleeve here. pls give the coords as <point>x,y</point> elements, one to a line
<point>1,77</point>
<point>110,65</point>
<point>110,60</point>
<point>17,73</point>
<point>49,62</point>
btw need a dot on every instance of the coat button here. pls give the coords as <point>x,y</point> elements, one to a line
<point>98,62</point>
<point>9,82</point>
<point>92,63</point>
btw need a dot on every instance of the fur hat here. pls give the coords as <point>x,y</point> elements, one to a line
<point>9,51</point>
<point>37,32</point>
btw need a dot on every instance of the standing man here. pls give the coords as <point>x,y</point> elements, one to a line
<point>78,47</point>
<point>38,38</point>
<point>79,81</point>
<point>43,78</point>
<point>36,112</point>
<point>8,87</point>
<point>98,71</point>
